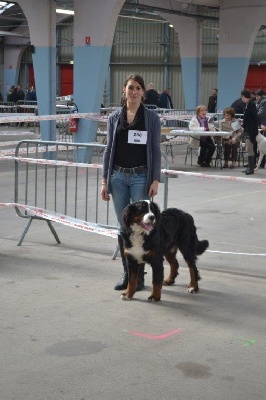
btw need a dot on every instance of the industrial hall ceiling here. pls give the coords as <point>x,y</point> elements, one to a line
<point>14,23</point>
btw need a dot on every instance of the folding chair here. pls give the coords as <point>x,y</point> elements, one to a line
<point>192,148</point>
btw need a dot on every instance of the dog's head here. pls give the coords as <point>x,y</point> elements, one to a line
<point>141,216</point>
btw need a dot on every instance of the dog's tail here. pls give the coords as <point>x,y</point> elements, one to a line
<point>202,245</point>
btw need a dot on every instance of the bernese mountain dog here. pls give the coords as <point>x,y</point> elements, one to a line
<point>149,236</point>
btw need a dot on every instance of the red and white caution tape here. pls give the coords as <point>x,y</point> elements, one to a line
<point>65,220</point>
<point>56,117</point>
<point>16,133</point>
<point>34,149</point>
<point>56,162</point>
<point>215,177</point>
<point>91,227</point>
<point>8,118</point>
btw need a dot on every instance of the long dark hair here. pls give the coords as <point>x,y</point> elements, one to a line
<point>133,77</point>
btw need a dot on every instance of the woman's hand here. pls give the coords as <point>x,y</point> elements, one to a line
<point>104,193</point>
<point>153,188</point>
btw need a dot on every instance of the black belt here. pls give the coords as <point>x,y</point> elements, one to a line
<point>137,170</point>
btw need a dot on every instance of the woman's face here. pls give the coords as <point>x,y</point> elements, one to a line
<point>202,113</point>
<point>227,117</point>
<point>133,92</point>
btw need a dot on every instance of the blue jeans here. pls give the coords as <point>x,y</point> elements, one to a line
<point>125,189</point>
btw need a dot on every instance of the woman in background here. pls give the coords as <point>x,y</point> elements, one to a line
<point>231,142</point>
<point>199,122</point>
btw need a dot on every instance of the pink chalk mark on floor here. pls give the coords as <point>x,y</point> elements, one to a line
<point>156,337</point>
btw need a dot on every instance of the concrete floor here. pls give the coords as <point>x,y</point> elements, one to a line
<point>66,334</point>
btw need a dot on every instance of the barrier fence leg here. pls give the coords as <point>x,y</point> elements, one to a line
<point>115,253</point>
<point>25,231</point>
<point>53,231</point>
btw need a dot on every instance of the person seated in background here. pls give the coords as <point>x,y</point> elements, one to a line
<point>199,122</point>
<point>231,142</point>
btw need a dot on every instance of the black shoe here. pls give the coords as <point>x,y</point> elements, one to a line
<point>249,171</point>
<point>122,284</point>
<point>201,164</point>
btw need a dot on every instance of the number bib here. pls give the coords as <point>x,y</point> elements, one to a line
<point>137,137</point>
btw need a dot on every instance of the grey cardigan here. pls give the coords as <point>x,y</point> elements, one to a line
<point>153,127</point>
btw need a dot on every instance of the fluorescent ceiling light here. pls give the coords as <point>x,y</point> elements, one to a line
<point>61,11</point>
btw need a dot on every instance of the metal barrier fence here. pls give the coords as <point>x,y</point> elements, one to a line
<point>51,186</point>
<point>176,118</point>
<point>7,108</point>
<point>29,108</point>
<point>62,125</point>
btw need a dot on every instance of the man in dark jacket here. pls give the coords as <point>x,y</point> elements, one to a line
<point>239,106</point>
<point>20,93</point>
<point>212,104</point>
<point>151,95</point>
<point>250,125</point>
<point>165,100</point>
<point>12,96</point>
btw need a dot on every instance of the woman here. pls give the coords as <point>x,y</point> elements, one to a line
<point>250,125</point>
<point>231,142</point>
<point>132,158</point>
<point>199,122</point>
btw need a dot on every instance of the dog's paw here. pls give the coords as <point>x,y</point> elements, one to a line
<point>124,296</point>
<point>192,289</point>
<point>168,282</point>
<point>154,298</point>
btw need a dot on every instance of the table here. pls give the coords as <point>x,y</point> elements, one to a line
<point>195,134</point>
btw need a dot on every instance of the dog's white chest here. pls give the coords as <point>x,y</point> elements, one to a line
<point>137,250</point>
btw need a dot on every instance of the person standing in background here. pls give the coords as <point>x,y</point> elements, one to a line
<point>212,103</point>
<point>250,125</point>
<point>151,95</point>
<point>30,93</point>
<point>165,100</point>
<point>239,106</point>
<point>12,96</point>
<point>20,93</point>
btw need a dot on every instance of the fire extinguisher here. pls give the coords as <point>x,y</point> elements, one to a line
<point>73,122</point>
